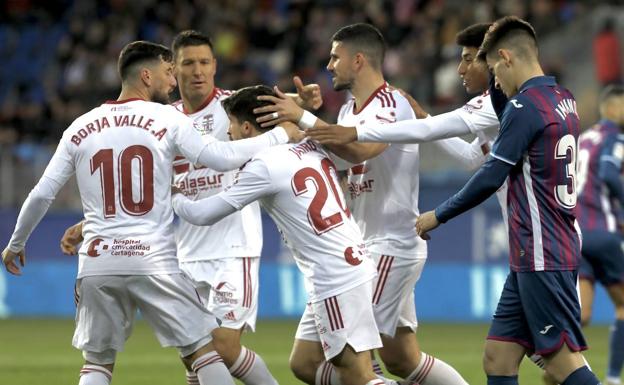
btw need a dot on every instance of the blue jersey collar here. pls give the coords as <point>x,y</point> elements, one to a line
<point>538,81</point>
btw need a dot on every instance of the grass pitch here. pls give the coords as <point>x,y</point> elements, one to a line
<point>39,351</point>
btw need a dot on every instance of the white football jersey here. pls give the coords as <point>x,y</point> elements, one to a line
<point>237,235</point>
<point>384,190</point>
<point>482,120</point>
<point>121,153</point>
<point>298,186</point>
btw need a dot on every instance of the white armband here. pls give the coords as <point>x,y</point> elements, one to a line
<point>308,120</point>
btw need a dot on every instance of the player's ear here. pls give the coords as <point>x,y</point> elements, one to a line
<point>146,76</point>
<point>358,60</point>
<point>505,54</point>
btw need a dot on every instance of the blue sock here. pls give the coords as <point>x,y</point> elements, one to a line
<point>616,349</point>
<point>581,376</point>
<point>502,380</point>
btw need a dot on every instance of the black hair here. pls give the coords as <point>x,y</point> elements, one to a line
<point>141,52</point>
<point>242,103</point>
<point>364,38</point>
<point>189,38</point>
<point>472,36</point>
<point>514,33</point>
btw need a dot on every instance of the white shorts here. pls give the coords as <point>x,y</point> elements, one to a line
<point>107,306</point>
<point>228,287</point>
<point>340,320</point>
<point>393,294</point>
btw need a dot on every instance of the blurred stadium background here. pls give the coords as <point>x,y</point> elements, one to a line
<point>60,61</point>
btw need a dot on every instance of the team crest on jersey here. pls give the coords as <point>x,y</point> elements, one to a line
<point>207,124</point>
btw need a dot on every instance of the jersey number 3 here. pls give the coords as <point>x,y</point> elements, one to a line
<point>319,223</point>
<point>566,193</point>
<point>142,159</point>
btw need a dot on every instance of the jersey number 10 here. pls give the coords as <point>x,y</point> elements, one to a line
<point>142,156</point>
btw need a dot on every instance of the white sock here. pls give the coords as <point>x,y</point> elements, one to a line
<point>431,371</point>
<point>95,375</point>
<point>191,378</point>
<point>376,382</point>
<point>326,374</point>
<point>251,369</point>
<point>210,369</point>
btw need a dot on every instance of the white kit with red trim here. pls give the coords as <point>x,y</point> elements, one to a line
<point>383,191</point>
<point>237,235</point>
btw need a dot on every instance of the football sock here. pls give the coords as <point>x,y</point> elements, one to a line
<point>432,371</point>
<point>581,376</point>
<point>616,351</point>
<point>326,375</point>
<point>94,375</point>
<point>502,380</point>
<point>191,378</point>
<point>251,369</point>
<point>210,369</point>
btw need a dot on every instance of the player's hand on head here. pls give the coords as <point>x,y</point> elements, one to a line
<point>8,259</point>
<point>332,134</point>
<point>71,239</point>
<point>282,109</point>
<point>416,107</point>
<point>425,223</point>
<point>295,135</point>
<point>309,95</point>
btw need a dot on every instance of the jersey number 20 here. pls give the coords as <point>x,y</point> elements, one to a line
<point>319,223</point>
<point>103,160</point>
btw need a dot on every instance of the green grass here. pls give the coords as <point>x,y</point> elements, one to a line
<point>36,351</point>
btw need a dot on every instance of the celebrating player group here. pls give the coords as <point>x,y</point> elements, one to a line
<point>216,156</point>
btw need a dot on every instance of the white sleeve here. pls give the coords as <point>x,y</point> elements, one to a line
<point>224,156</point>
<point>479,115</point>
<point>56,174</point>
<point>442,126</point>
<point>470,155</point>
<point>251,183</point>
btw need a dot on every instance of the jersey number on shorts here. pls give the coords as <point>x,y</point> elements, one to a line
<point>319,223</point>
<point>566,198</point>
<point>135,157</point>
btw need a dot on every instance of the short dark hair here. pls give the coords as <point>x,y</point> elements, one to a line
<point>364,38</point>
<point>472,36</point>
<point>511,31</point>
<point>611,91</point>
<point>242,103</point>
<point>188,38</point>
<point>141,52</point>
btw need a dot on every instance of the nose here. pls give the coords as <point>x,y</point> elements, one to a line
<point>461,69</point>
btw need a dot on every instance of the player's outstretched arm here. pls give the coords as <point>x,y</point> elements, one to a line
<point>332,134</point>
<point>203,212</point>
<point>71,239</point>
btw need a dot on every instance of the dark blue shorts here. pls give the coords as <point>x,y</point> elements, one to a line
<point>603,258</point>
<point>540,311</point>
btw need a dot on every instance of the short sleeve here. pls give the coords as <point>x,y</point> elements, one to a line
<point>518,128</point>
<point>252,182</point>
<point>479,114</point>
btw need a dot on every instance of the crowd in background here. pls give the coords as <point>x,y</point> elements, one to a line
<point>60,56</point>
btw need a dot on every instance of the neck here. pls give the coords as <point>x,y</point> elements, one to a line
<point>131,91</point>
<point>528,71</point>
<point>364,85</point>
<point>192,103</point>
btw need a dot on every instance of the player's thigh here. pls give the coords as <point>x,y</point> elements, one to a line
<point>552,310</point>
<point>586,291</point>
<point>104,313</point>
<point>400,353</point>
<point>502,358</point>
<point>393,292</point>
<point>170,305</point>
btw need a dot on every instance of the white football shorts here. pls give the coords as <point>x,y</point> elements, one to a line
<point>393,292</point>
<point>346,318</point>
<point>229,288</point>
<point>107,305</point>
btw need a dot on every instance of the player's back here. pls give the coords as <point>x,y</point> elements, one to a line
<point>384,190</point>
<point>308,207</point>
<point>123,153</point>
<point>542,191</point>
<point>597,209</point>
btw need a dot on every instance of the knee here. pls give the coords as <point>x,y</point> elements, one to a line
<point>493,364</point>
<point>400,366</point>
<point>303,370</point>
<point>228,348</point>
<point>585,320</point>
